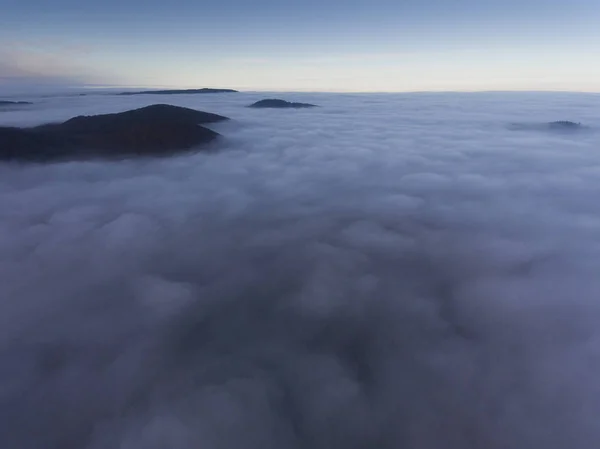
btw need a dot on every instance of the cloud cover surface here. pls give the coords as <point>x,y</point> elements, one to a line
<point>384,271</point>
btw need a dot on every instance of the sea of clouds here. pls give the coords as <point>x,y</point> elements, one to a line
<point>386,271</point>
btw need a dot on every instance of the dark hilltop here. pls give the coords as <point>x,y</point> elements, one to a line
<point>14,103</point>
<point>280,104</point>
<point>157,130</point>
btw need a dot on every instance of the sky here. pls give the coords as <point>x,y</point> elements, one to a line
<point>315,45</point>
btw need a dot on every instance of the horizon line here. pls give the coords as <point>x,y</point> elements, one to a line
<point>16,91</point>
<point>295,90</point>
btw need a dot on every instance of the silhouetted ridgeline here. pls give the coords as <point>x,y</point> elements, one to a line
<point>564,124</point>
<point>280,104</point>
<point>14,103</point>
<point>153,130</point>
<point>180,91</point>
<point>561,125</point>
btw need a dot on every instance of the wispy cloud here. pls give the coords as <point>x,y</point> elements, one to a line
<point>33,63</point>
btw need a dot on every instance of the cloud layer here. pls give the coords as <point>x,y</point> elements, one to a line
<point>384,271</point>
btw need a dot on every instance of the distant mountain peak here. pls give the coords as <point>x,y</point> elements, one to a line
<point>180,91</point>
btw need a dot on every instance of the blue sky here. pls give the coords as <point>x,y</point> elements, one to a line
<point>352,45</point>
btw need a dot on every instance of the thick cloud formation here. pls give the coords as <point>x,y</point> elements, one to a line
<point>388,271</point>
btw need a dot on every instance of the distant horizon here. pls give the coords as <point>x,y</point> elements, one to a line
<point>41,90</point>
<point>250,90</point>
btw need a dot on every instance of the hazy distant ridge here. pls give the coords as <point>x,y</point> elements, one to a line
<point>179,91</point>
